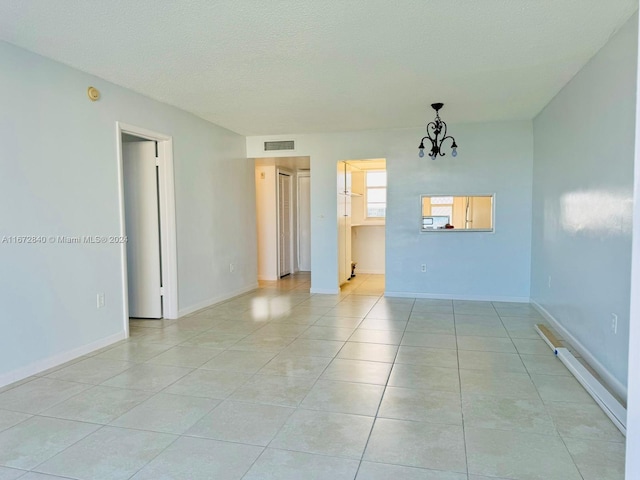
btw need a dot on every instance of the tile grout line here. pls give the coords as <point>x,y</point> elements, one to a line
<point>211,410</point>
<point>375,418</point>
<point>464,432</point>
<point>178,437</point>
<point>298,406</point>
<point>544,404</point>
<point>33,469</point>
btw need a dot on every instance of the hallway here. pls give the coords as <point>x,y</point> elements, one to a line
<point>282,384</point>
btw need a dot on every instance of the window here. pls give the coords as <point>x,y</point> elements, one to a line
<point>457,213</point>
<point>376,191</point>
<point>442,206</point>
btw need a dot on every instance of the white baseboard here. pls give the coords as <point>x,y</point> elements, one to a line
<point>267,279</point>
<point>325,291</point>
<point>593,362</point>
<point>366,271</point>
<point>609,405</point>
<point>58,359</point>
<point>445,296</point>
<point>212,301</point>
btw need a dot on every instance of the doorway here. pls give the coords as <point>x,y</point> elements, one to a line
<point>362,207</point>
<point>285,241</point>
<point>142,222</point>
<point>283,216</point>
<point>147,222</point>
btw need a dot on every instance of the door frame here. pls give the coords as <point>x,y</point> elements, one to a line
<point>305,173</point>
<point>167,207</point>
<point>290,174</point>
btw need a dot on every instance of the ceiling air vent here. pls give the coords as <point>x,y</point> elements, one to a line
<point>282,145</point>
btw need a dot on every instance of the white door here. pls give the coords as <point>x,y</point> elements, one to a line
<point>304,223</point>
<point>142,227</point>
<point>341,202</point>
<point>344,223</point>
<point>284,223</point>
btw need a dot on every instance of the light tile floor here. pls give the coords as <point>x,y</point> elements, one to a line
<point>282,384</point>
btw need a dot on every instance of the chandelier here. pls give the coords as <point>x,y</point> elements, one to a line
<point>434,130</point>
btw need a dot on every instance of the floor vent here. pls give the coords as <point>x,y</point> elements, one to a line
<point>282,145</point>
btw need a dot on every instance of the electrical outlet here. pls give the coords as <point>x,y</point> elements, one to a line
<point>614,323</point>
<point>549,281</point>
<point>232,268</point>
<point>423,267</point>
<point>100,300</point>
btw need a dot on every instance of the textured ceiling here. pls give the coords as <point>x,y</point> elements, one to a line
<point>297,66</point>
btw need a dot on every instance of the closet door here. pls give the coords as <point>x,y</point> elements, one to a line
<point>284,223</point>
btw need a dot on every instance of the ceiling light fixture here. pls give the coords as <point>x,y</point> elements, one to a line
<point>434,129</point>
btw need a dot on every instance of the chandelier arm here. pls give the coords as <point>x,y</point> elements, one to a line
<point>433,144</point>
<point>448,136</point>
<point>442,141</point>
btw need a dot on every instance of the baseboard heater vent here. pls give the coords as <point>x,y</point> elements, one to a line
<point>609,404</point>
<point>281,145</point>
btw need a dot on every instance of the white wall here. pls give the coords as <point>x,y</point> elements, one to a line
<point>367,235</point>
<point>582,222</point>
<point>493,158</point>
<point>59,177</point>
<point>368,248</point>
<point>303,221</point>
<point>633,385</point>
<point>267,222</point>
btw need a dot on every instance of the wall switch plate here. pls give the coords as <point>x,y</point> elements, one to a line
<point>423,267</point>
<point>100,300</point>
<point>614,323</point>
<point>232,268</point>
<point>549,281</point>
